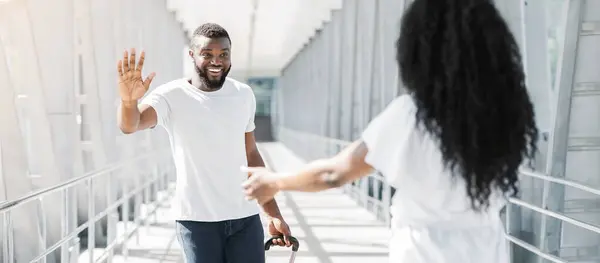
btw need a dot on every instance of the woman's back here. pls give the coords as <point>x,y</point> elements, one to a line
<point>432,217</point>
<point>426,192</point>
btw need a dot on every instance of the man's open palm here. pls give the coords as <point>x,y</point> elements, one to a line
<point>131,85</point>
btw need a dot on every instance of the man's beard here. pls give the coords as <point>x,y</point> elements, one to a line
<point>214,84</point>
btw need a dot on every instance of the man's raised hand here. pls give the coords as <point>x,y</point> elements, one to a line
<point>131,85</point>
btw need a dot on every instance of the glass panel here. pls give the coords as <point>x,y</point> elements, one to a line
<point>555,24</point>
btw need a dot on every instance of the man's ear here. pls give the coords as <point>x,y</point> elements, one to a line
<point>191,53</point>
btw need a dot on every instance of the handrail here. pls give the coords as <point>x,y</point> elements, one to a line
<point>8,205</point>
<point>68,237</point>
<point>515,201</point>
<point>565,182</point>
<point>556,215</point>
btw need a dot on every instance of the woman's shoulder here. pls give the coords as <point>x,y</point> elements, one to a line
<point>400,109</point>
<point>403,103</point>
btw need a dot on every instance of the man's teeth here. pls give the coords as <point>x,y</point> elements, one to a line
<point>215,70</point>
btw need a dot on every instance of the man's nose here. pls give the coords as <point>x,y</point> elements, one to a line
<point>216,61</point>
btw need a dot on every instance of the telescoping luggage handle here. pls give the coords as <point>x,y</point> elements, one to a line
<point>295,245</point>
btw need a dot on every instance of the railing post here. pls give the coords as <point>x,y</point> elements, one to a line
<point>73,215</point>
<point>387,202</point>
<point>91,242</point>
<point>147,197</point>
<point>8,246</point>
<point>125,219</point>
<point>137,210</point>
<point>364,191</point>
<point>75,250</point>
<point>507,216</point>
<point>158,179</point>
<point>64,224</point>
<point>111,223</point>
<point>44,229</point>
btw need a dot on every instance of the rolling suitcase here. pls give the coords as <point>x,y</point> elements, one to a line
<point>295,246</point>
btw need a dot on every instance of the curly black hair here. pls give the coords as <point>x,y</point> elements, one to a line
<point>463,67</point>
<point>210,30</point>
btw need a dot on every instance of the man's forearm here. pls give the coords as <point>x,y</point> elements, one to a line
<point>129,116</point>
<point>271,208</point>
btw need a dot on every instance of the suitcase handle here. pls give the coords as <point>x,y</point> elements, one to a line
<point>295,243</point>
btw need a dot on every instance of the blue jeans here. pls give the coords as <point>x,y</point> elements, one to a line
<point>230,241</point>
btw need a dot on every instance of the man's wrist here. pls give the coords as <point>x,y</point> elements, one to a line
<point>277,216</point>
<point>129,103</point>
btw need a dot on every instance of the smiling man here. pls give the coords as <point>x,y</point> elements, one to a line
<point>210,122</point>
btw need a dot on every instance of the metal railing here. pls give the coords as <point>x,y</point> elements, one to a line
<point>69,243</point>
<point>306,144</point>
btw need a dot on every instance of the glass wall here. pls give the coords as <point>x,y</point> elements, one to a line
<point>263,88</point>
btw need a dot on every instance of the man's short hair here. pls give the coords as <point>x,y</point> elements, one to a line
<point>210,30</point>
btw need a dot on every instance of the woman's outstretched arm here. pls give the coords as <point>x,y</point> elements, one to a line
<point>319,175</point>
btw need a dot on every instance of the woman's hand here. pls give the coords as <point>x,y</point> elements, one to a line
<point>261,184</point>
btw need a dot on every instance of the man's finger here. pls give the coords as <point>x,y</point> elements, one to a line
<point>248,191</point>
<point>120,68</point>
<point>141,62</point>
<point>148,80</point>
<point>286,240</point>
<point>279,242</point>
<point>246,184</point>
<point>132,59</point>
<point>125,61</point>
<point>249,197</point>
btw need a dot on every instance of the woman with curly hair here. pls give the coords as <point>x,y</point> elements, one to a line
<point>451,147</point>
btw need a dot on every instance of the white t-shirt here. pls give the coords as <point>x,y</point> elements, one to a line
<point>432,219</point>
<point>206,131</point>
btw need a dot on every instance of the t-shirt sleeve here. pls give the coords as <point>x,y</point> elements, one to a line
<point>386,136</point>
<point>250,126</point>
<point>158,101</point>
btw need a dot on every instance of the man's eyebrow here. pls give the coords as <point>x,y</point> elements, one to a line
<point>209,49</point>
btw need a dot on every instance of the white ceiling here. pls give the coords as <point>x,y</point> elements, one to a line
<point>280,30</point>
